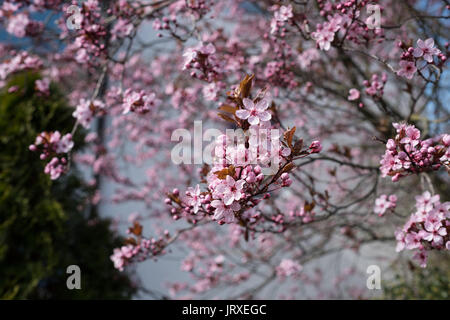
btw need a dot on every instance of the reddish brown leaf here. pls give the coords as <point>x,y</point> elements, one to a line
<point>297,147</point>
<point>228,108</point>
<point>288,167</point>
<point>226,118</point>
<point>222,174</point>
<point>309,206</point>
<point>246,85</point>
<point>289,135</point>
<point>136,229</point>
<point>130,241</point>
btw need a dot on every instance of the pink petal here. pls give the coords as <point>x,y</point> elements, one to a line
<point>230,180</point>
<point>264,116</point>
<point>228,198</point>
<point>262,105</point>
<point>429,42</point>
<point>421,44</point>
<point>236,206</point>
<point>216,203</point>
<point>240,184</point>
<point>253,120</point>
<point>418,52</point>
<point>242,114</point>
<point>218,214</point>
<point>248,104</point>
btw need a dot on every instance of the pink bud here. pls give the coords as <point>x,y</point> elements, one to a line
<point>315,146</point>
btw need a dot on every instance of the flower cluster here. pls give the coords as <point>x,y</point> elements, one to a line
<point>375,87</point>
<point>89,41</point>
<point>407,153</point>
<point>237,180</point>
<point>280,17</point>
<point>427,229</point>
<point>306,213</point>
<point>139,101</point>
<point>86,110</point>
<point>53,145</point>
<point>307,57</point>
<point>288,268</point>
<point>20,61</point>
<point>425,50</point>
<point>325,33</point>
<point>42,86</point>
<point>384,203</point>
<point>202,61</point>
<point>138,248</point>
<point>124,255</point>
<point>17,25</point>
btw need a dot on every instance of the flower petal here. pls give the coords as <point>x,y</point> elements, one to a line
<point>228,198</point>
<point>262,105</point>
<point>248,104</point>
<point>253,120</point>
<point>242,114</point>
<point>265,116</point>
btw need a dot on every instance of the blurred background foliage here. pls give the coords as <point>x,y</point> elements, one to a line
<point>411,282</point>
<point>45,225</point>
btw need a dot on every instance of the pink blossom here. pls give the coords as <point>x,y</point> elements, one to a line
<point>254,113</point>
<point>426,201</point>
<point>17,25</point>
<point>86,111</point>
<point>323,38</point>
<point>288,267</point>
<point>284,13</point>
<point>409,154</point>
<point>353,94</point>
<point>194,199</point>
<point>408,69</point>
<point>225,212</point>
<point>139,101</point>
<point>384,203</point>
<point>54,168</point>
<point>43,86</point>
<point>308,57</point>
<point>434,232</point>
<point>230,190</point>
<point>421,256</point>
<point>210,91</point>
<point>426,229</point>
<point>315,146</point>
<point>426,49</point>
<point>122,28</point>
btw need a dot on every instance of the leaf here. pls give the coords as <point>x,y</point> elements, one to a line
<point>228,108</point>
<point>222,174</point>
<point>226,118</point>
<point>289,135</point>
<point>136,229</point>
<point>309,206</point>
<point>130,241</point>
<point>174,198</point>
<point>288,167</point>
<point>246,85</point>
<point>297,147</point>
